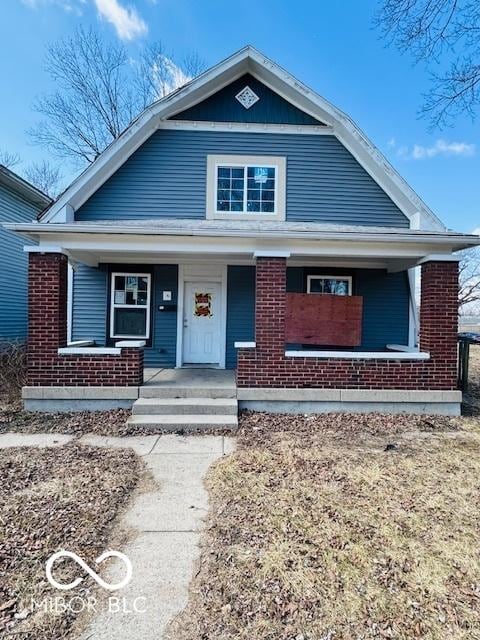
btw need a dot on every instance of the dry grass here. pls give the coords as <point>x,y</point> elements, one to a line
<point>52,499</point>
<point>341,528</point>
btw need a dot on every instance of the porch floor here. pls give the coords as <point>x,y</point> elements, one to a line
<point>189,377</point>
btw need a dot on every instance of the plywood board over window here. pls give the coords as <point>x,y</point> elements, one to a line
<point>325,319</point>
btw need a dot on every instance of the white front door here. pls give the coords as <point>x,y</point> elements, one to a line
<point>202,312</point>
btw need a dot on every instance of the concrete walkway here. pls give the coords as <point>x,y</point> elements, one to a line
<point>168,520</point>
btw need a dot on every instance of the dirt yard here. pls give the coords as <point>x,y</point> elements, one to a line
<point>50,499</point>
<point>342,528</point>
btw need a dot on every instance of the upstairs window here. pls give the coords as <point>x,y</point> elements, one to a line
<point>246,187</point>
<point>130,305</point>
<point>334,285</point>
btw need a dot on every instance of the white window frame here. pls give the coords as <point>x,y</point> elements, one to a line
<point>329,277</point>
<point>114,306</point>
<point>276,162</point>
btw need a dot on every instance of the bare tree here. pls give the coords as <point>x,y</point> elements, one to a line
<point>100,91</point>
<point>45,176</point>
<point>8,159</point>
<point>433,32</point>
<point>469,276</point>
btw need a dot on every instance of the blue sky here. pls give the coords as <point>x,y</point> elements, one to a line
<point>330,46</point>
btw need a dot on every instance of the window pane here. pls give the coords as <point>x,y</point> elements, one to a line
<point>261,189</point>
<point>340,288</point>
<point>130,322</point>
<point>119,283</point>
<point>333,286</point>
<point>316,285</point>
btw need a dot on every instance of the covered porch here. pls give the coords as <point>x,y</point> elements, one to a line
<point>256,288</point>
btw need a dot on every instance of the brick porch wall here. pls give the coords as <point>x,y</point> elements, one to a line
<point>47,332</point>
<point>267,365</point>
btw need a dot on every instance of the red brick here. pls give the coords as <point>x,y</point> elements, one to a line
<point>47,319</point>
<point>266,365</point>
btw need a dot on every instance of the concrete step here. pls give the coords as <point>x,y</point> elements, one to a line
<point>175,391</point>
<point>185,422</point>
<point>182,406</point>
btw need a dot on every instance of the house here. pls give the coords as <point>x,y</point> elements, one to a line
<point>242,224</point>
<point>19,202</point>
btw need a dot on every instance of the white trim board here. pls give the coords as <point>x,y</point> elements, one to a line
<point>196,272</point>
<point>247,60</point>
<point>360,355</point>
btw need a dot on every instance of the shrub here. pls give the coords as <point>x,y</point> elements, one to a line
<point>13,368</point>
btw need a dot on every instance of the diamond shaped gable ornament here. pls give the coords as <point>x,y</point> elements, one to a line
<point>247,97</point>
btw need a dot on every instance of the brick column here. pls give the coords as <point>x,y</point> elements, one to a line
<point>270,300</point>
<point>439,316</point>
<point>47,310</point>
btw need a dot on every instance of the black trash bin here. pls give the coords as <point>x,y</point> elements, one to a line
<point>464,342</point>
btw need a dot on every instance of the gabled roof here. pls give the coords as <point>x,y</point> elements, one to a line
<point>23,188</point>
<point>247,60</point>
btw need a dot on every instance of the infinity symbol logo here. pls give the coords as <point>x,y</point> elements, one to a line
<point>87,569</point>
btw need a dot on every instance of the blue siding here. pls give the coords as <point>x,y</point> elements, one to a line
<point>162,353</point>
<point>166,177</point>
<point>385,307</point>
<point>240,310</point>
<point>89,316</point>
<point>13,266</point>
<point>224,107</point>
<point>90,310</point>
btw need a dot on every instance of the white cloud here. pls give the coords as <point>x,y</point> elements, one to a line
<point>439,148</point>
<point>476,232</point>
<point>128,24</point>
<point>167,76</point>
<point>443,148</point>
<point>71,6</point>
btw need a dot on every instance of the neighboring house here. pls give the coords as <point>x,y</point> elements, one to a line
<point>243,223</point>
<point>19,202</point>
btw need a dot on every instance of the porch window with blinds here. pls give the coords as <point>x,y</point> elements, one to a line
<point>130,305</point>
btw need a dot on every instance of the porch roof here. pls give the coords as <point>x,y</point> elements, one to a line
<point>166,238</point>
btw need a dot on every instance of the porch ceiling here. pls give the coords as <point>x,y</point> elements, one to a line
<point>234,241</point>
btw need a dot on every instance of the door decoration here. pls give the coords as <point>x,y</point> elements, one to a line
<point>203,305</point>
